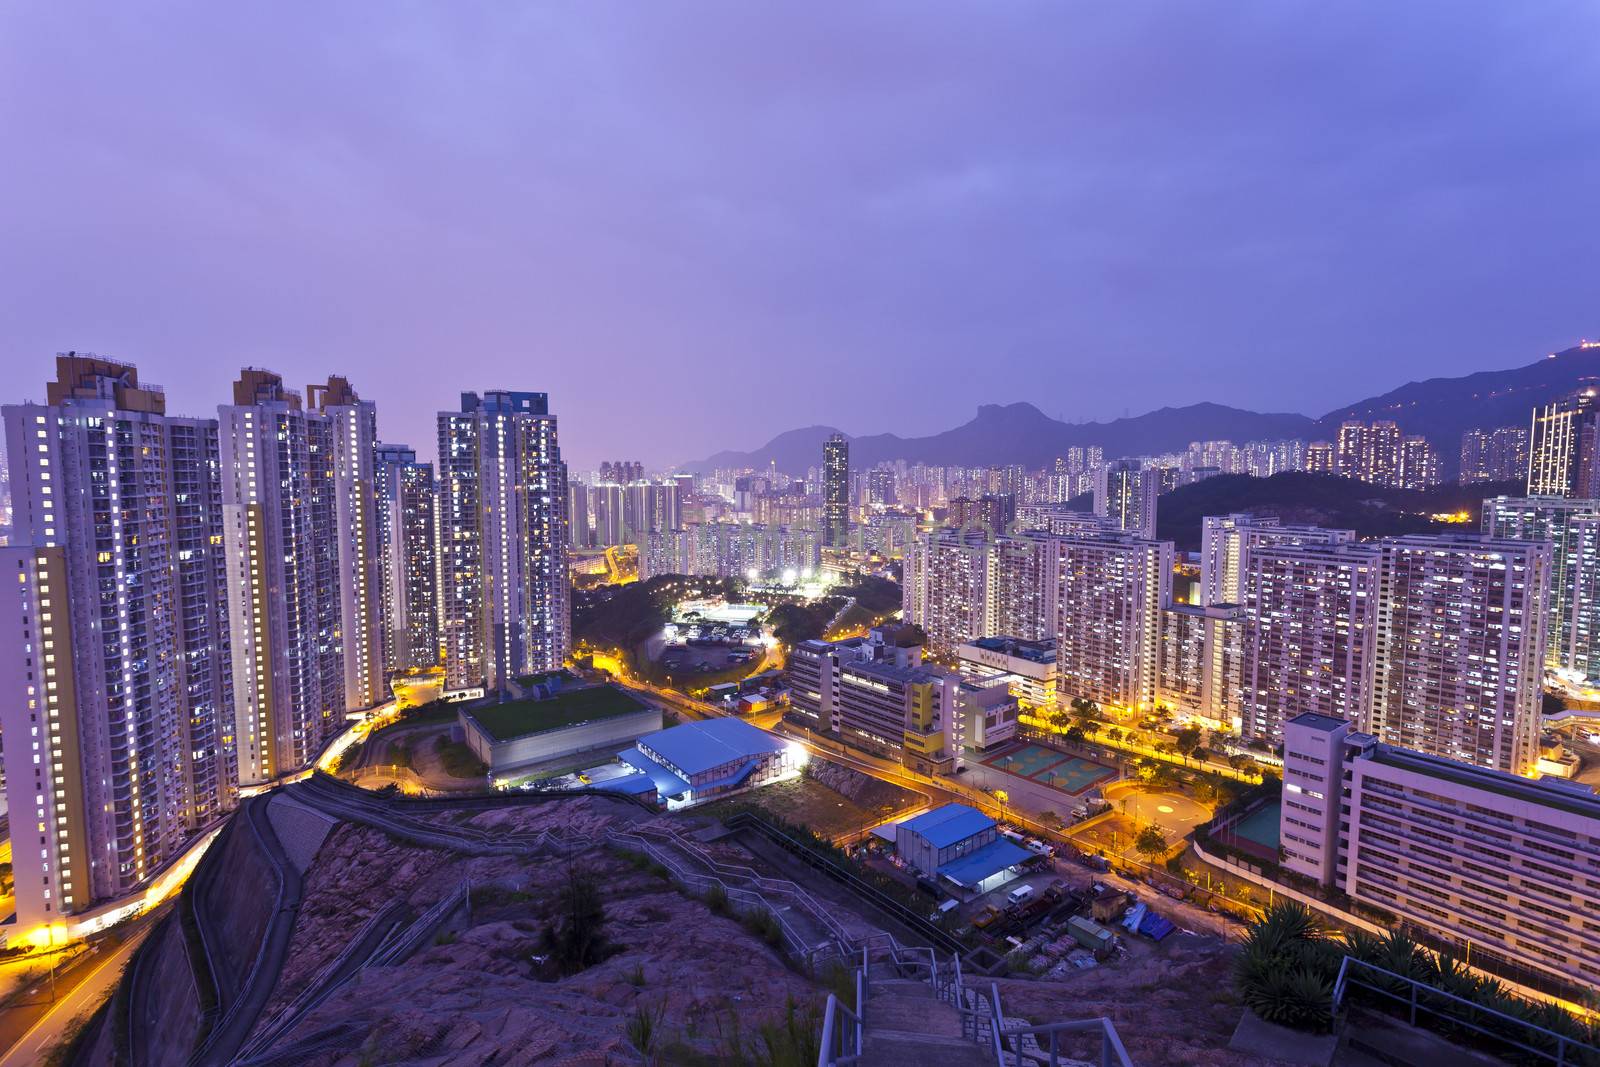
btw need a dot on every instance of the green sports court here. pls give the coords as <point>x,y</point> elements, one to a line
<point>1068,774</point>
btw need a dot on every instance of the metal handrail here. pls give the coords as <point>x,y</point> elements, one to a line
<point>997,1022</point>
<point>1110,1042</point>
<point>1565,1046</point>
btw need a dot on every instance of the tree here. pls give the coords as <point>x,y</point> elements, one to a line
<point>1187,740</point>
<point>575,939</point>
<point>1150,842</point>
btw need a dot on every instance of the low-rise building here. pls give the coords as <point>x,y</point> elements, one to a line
<point>989,712</point>
<point>959,843</point>
<point>1029,665</point>
<point>876,693</point>
<point>1494,863</point>
<point>700,761</point>
<point>518,734</point>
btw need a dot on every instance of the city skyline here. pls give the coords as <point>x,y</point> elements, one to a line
<point>589,221</point>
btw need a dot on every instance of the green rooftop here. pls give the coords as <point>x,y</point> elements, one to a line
<point>523,718</point>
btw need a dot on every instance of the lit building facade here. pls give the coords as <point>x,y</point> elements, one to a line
<point>406,526</point>
<point>284,588</point>
<point>835,490</point>
<point>1496,864</point>
<point>363,626</point>
<point>1309,632</point>
<point>1109,592</point>
<point>1125,494</point>
<point>1553,520</point>
<point>1499,455</point>
<point>502,540</point>
<point>113,638</point>
<point>1458,663</point>
<point>1562,446</point>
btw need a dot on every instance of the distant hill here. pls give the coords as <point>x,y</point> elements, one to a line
<point>1321,500</point>
<point>1441,409</point>
<point>1020,433</point>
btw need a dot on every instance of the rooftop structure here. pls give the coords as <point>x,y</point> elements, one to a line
<point>699,761</point>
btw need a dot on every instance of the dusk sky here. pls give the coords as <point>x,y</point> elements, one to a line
<point>696,225</point>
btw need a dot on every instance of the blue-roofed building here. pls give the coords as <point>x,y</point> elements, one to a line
<point>959,843</point>
<point>699,761</point>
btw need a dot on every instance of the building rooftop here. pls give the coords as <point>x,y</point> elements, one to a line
<point>905,675</point>
<point>571,707</point>
<point>1035,651</point>
<point>1312,721</point>
<point>1572,797</point>
<point>989,860</point>
<point>696,747</point>
<point>946,825</point>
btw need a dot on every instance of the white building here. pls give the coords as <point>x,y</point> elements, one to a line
<point>1309,634</point>
<point>1126,495</point>
<point>1109,592</point>
<point>1029,667</point>
<point>1225,538</point>
<point>1496,864</point>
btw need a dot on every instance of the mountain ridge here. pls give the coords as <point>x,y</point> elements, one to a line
<point>1439,408</point>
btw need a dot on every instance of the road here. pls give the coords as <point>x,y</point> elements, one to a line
<point>91,983</point>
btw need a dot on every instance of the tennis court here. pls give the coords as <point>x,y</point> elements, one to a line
<point>1073,776</point>
<point>1026,761</point>
<point>1069,774</point>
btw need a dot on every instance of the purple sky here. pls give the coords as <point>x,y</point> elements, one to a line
<point>698,224</point>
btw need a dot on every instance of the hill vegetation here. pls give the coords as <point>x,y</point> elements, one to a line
<point>1323,500</point>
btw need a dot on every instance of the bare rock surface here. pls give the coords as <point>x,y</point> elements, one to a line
<point>1174,1007</point>
<point>473,993</point>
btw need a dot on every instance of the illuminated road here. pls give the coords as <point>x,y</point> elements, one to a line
<point>74,1005</point>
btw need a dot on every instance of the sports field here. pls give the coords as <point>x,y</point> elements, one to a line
<point>1068,774</point>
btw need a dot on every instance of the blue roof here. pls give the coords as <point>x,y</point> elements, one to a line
<point>667,783</point>
<point>631,784</point>
<point>992,858</point>
<point>946,825</point>
<point>697,747</point>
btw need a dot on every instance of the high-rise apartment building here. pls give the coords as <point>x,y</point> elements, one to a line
<point>1502,867</point>
<point>1499,455</point>
<point>114,641</point>
<point>1371,453</point>
<point>1320,458</point>
<point>1562,444</point>
<point>1126,494</point>
<point>1224,540</point>
<point>945,587</point>
<point>502,539</point>
<point>353,426</point>
<point>1461,635</point>
<point>1419,464</point>
<point>1309,633</point>
<point>408,558</point>
<point>836,490</point>
<point>285,594</point>
<point>1108,596</point>
<point>1554,521</point>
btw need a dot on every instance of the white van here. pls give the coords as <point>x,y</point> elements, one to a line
<point>1020,895</point>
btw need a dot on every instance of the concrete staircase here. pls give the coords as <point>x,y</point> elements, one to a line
<point>906,1023</point>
